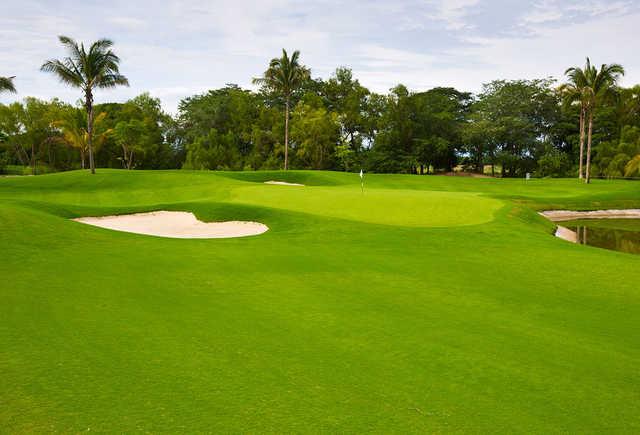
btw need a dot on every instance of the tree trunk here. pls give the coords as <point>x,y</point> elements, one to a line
<point>89,107</point>
<point>33,159</point>
<point>124,157</point>
<point>82,158</point>
<point>582,113</point>
<point>589,134</point>
<point>286,134</point>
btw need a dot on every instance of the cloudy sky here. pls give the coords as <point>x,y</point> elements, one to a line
<point>175,48</point>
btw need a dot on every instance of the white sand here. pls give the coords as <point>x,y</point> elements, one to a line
<point>567,215</point>
<point>176,224</point>
<point>283,183</point>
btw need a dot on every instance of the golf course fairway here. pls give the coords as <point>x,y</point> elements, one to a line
<point>424,304</point>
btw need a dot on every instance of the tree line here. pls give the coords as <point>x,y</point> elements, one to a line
<point>588,126</point>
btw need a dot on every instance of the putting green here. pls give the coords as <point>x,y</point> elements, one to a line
<point>380,206</point>
<point>428,304</point>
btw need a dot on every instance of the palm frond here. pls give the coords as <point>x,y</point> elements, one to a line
<point>633,166</point>
<point>97,67</point>
<point>71,45</point>
<point>111,81</point>
<point>6,84</point>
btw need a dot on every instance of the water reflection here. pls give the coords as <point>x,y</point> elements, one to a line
<point>608,238</point>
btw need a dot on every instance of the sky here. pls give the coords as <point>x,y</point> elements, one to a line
<point>176,48</point>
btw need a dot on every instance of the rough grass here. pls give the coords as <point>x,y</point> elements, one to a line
<point>427,304</point>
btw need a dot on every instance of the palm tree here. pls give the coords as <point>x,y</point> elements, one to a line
<point>576,91</point>
<point>97,67</point>
<point>600,84</point>
<point>284,76</point>
<point>6,84</point>
<point>74,132</point>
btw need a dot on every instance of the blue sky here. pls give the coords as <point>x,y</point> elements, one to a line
<point>176,48</point>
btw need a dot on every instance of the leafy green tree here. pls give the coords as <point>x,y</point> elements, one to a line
<point>88,70</point>
<point>161,145</point>
<point>213,151</point>
<point>30,128</point>
<point>553,163</point>
<point>266,133</point>
<point>6,84</point>
<point>518,116</point>
<point>349,99</point>
<point>238,115</point>
<point>316,133</point>
<point>393,146</point>
<point>440,115</point>
<point>612,157</point>
<point>480,140</point>
<point>628,110</point>
<point>284,76</point>
<point>132,137</point>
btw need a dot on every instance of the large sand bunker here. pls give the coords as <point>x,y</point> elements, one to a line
<point>176,224</point>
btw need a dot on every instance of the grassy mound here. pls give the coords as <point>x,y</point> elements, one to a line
<point>426,304</point>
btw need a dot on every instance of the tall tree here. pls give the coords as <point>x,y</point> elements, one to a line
<point>576,90</point>
<point>284,76</point>
<point>600,85</point>
<point>509,123</point>
<point>90,69</point>
<point>6,84</point>
<point>348,98</point>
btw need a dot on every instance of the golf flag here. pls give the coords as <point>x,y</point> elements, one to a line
<point>361,180</point>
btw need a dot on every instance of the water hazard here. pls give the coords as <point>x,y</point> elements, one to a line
<point>615,234</point>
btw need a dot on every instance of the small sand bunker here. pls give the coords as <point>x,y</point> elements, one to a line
<point>283,183</point>
<point>176,224</point>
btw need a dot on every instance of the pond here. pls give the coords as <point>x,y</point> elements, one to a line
<point>615,234</point>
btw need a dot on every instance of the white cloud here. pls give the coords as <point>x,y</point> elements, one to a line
<point>174,48</point>
<point>129,23</point>
<point>454,13</point>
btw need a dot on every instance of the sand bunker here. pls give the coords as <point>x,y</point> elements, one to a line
<point>568,215</point>
<point>176,224</point>
<point>283,183</point>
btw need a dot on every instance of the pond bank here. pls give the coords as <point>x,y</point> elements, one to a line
<point>569,215</point>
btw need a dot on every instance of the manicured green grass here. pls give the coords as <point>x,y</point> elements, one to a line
<point>438,304</point>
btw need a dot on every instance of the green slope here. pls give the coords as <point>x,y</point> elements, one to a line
<point>426,304</point>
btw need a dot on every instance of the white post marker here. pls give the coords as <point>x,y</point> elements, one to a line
<point>362,181</point>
